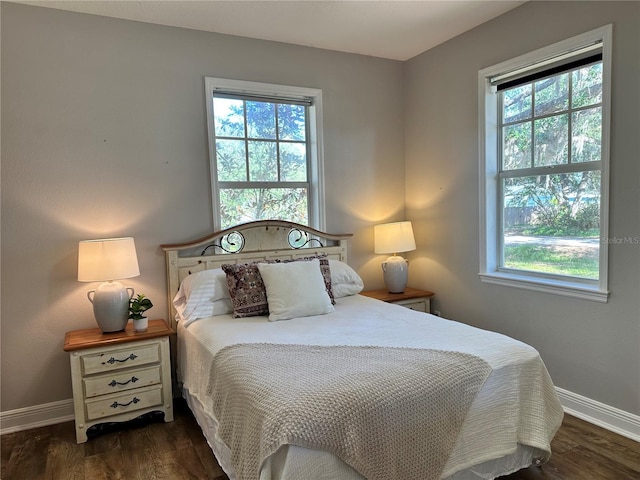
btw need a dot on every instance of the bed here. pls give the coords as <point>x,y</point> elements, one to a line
<point>326,384</point>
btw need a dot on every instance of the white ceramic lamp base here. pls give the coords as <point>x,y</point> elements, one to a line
<point>396,273</point>
<point>111,305</point>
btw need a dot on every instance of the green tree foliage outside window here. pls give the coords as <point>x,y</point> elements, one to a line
<point>261,160</point>
<point>550,172</point>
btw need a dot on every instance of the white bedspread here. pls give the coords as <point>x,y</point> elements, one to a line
<point>516,406</point>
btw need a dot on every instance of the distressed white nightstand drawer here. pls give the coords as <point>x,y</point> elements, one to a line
<point>121,381</point>
<point>418,300</point>
<point>419,305</point>
<point>124,403</point>
<point>117,359</point>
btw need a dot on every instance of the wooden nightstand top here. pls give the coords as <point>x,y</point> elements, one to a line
<point>384,295</point>
<point>93,337</point>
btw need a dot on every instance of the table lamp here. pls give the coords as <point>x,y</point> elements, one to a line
<point>107,260</point>
<point>394,238</point>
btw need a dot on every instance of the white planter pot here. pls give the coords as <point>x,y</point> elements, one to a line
<point>141,324</point>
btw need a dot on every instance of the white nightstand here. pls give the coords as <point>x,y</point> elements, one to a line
<point>419,300</point>
<point>119,376</point>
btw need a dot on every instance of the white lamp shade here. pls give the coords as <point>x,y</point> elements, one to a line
<point>107,259</point>
<point>393,237</point>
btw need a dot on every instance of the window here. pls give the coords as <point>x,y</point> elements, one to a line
<point>265,154</point>
<point>544,146</point>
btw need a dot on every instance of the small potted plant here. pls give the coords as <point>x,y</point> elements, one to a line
<point>137,306</point>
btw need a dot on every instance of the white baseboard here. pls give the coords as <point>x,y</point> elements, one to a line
<point>36,416</point>
<point>610,418</point>
<point>592,411</point>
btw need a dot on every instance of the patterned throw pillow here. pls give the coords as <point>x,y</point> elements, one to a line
<point>326,275</point>
<point>247,290</point>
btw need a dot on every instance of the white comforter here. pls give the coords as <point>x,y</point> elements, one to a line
<point>516,407</point>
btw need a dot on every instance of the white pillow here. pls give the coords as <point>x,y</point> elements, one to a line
<point>344,279</point>
<point>203,294</point>
<point>206,285</point>
<point>203,310</point>
<point>295,289</point>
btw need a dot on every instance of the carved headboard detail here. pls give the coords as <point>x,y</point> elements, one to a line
<point>248,242</point>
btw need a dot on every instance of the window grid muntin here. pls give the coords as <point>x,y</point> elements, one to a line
<point>278,159</point>
<point>569,112</point>
<point>247,138</point>
<point>489,81</point>
<point>569,167</point>
<point>296,96</point>
<point>247,167</point>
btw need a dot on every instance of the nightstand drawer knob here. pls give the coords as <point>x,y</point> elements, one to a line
<point>113,383</point>
<point>116,404</point>
<point>113,360</point>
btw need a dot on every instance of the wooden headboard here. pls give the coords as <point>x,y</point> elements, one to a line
<point>248,242</point>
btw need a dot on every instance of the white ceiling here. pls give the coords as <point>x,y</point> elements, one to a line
<point>395,29</point>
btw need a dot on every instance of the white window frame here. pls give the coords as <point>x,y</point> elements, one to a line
<point>490,272</point>
<point>316,165</point>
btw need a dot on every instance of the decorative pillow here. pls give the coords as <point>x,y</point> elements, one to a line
<point>247,290</point>
<point>203,294</point>
<point>325,269</point>
<point>344,279</point>
<point>295,289</point>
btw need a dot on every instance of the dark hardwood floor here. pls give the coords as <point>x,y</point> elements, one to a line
<point>177,450</point>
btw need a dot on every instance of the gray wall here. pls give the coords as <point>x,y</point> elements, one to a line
<point>591,349</point>
<point>104,134</point>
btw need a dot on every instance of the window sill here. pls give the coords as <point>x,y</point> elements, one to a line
<point>566,289</point>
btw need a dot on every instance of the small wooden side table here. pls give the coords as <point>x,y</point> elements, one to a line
<point>119,376</point>
<point>413,298</point>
